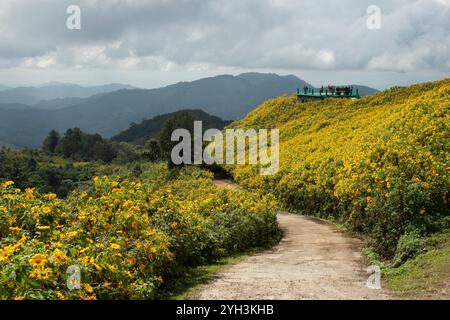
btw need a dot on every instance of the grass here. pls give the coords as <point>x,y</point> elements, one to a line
<point>426,276</point>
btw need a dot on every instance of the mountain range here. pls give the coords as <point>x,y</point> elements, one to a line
<point>54,90</point>
<point>27,114</point>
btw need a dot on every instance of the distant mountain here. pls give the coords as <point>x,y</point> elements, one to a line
<point>226,96</point>
<point>59,103</point>
<point>14,107</point>
<point>364,90</point>
<point>50,91</point>
<point>150,128</point>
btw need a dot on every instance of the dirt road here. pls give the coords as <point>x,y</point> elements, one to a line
<point>313,261</point>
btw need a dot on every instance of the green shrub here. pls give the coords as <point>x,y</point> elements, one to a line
<point>408,246</point>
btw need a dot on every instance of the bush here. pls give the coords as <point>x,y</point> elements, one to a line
<point>408,246</point>
<point>128,237</point>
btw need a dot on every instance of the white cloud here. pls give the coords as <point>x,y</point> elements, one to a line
<point>246,34</point>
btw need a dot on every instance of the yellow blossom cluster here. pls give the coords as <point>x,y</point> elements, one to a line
<point>125,237</point>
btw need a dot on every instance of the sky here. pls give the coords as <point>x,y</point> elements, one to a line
<point>152,43</point>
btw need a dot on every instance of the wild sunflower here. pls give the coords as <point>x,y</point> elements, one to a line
<point>38,261</point>
<point>59,257</point>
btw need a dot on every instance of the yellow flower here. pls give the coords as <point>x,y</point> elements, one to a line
<point>38,260</point>
<point>3,209</point>
<point>29,194</point>
<point>43,228</point>
<point>15,229</point>
<point>8,183</point>
<point>88,288</point>
<point>127,204</point>
<point>59,256</point>
<point>56,244</point>
<point>115,246</point>
<point>83,214</point>
<point>41,273</point>
<point>83,251</point>
<point>50,196</point>
<point>91,297</point>
<point>59,295</point>
<point>46,210</point>
<point>19,298</point>
<point>21,242</point>
<point>112,268</point>
<point>5,253</point>
<point>72,234</point>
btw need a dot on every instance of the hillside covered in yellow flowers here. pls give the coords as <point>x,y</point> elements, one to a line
<point>379,164</point>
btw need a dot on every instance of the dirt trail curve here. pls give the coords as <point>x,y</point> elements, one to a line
<point>312,261</point>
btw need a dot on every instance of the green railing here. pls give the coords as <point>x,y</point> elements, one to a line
<point>329,92</point>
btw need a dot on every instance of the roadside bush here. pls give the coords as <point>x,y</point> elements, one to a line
<point>127,237</point>
<point>408,246</point>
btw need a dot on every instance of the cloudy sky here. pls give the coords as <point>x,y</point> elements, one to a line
<point>151,43</point>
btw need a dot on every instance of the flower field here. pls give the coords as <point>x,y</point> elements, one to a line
<point>379,164</point>
<point>127,237</point>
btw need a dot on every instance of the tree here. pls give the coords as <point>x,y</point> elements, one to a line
<point>182,120</point>
<point>51,142</point>
<point>153,150</point>
<point>71,144</point>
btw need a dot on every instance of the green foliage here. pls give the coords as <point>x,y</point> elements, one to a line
<point>85,147</point>
<point>182,120</point>
<point>51,142</point>
<point>153,150</point>
<point>33,169</point>
<point>408,246</point>
<point>426,274</point>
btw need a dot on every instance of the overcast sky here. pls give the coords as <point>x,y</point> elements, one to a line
<point>151,43</point>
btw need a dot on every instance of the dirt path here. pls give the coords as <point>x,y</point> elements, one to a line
<point>313,261</point>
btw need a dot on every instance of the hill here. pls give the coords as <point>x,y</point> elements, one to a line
<point>50,91</point>
<point>58,103</point>
<point>364,90</point>
<point>379,164</point>
<point>138,133</point>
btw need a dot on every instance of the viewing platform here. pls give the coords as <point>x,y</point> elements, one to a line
<point>311,94</point>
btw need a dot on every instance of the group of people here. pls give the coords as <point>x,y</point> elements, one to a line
<point>332,90</point>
